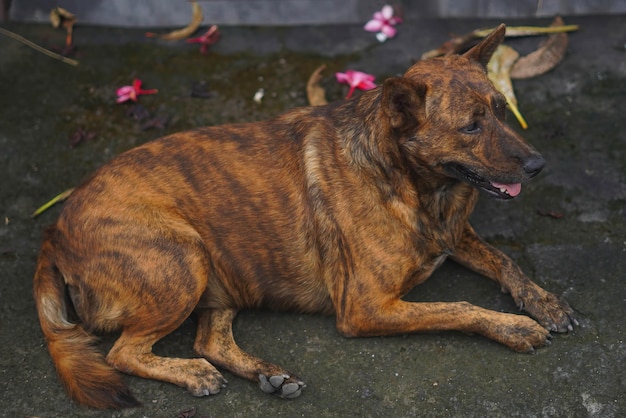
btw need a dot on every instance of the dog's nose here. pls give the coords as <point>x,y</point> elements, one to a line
<point>533,165</point>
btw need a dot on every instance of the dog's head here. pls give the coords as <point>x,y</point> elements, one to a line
<point>450,119</point>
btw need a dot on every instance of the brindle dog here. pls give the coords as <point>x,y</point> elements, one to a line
<point>339,209</point>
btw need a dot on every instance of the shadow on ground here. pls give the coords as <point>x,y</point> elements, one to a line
<point>567,229</point>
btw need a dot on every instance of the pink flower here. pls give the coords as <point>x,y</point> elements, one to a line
<point>383,22</point>
<point>356,80</point>
<point>132,92</point>
<point>209,38</point>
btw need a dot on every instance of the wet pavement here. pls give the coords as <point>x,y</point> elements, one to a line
<point>567,229</point>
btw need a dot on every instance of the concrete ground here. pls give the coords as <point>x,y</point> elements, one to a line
<point>567,229</point>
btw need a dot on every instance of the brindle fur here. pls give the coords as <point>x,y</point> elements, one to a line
<point>339,209</point>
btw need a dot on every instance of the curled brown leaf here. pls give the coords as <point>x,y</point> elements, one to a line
<point>185,32</point>
<point>546,57</point>
<point>314,92</point>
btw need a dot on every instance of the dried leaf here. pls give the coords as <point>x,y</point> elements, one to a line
<point>38,48</point>
<point>545,58</point>
<point>185,32</point>
<point>187,413</point>
<point>158,122</point>
<point>517,31</point>
<point>460,44</point>
<point>550,214</point>
<point>80,136</point>
<point>314,92</point>
<point>200,89</point>
<point>138,112</point>
<point>456,45</point>
<point>499,69</point>
<point>60,17</point>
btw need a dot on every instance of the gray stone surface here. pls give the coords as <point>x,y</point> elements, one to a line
<point>156,13</point>
<point>567,229</point>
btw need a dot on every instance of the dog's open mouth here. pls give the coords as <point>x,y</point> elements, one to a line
<point>495,189</point>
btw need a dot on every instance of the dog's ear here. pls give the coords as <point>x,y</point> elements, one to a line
<point>482,52</point>
<point>403,102</point>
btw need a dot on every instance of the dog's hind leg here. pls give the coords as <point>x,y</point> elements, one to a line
<point>215,342</point>
<point>157,302</point>
<point>132,353</point>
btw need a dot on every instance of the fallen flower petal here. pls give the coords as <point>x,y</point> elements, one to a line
<point>356,80</point>
<point>258,96</point>
<point>127,93</point>
<point>210,37</point>
<point>383,22</point>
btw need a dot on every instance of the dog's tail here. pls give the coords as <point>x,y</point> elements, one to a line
<point>87,378</point>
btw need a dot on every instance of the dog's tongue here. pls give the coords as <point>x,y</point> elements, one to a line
<point>510,189</point>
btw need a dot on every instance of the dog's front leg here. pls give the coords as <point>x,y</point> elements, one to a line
<point>551,312</point>
<point>370,315</point>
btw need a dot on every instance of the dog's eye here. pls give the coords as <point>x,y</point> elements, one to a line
<point>472,128</point>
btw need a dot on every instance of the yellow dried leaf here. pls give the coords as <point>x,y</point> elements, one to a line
<point>514,31</point>
<point>499,69</point>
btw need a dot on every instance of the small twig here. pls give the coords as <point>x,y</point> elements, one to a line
<point>36,47</point>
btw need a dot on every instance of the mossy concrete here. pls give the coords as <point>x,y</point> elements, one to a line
<point>567,229</point>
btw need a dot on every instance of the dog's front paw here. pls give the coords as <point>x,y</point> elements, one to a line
<point>282,385</point>
<point>551,312</point>
<point>204,379</point>
<point>518,332</point>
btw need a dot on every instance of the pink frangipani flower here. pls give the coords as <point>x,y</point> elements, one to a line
<point>356,80</point>
<point>132,92</point>
<point>383,23</point>
<point>209,38</point>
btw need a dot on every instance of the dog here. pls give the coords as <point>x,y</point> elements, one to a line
<point>338,209</point>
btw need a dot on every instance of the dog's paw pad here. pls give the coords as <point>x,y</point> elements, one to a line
<point>265,384</point>
<point>291,390</point>
<point>278,384</point>
<point>276,381</point>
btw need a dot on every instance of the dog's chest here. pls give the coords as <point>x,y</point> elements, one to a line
<point>440,226</point>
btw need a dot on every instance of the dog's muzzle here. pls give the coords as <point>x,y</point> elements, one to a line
<point>500,190</point>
